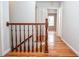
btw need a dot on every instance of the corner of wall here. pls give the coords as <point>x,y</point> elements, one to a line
<point>75,51</point>
<point>5,52</point>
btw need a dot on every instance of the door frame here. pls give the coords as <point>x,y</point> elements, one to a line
<point>55,21</point>
<point>58,22</point>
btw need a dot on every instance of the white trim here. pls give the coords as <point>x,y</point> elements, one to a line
<point>75,51</point>
<point>57,22</point>
<point>5,52</point>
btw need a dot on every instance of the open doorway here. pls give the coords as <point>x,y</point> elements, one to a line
<point>52,19</point>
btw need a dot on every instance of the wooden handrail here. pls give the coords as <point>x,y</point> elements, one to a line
<point>22,42</point>
<point>25,23</point>
<point>29,36</point>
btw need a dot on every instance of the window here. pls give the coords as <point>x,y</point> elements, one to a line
<point>50,20</point>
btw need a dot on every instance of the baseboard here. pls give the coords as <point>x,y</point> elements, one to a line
<point>76,52</point>
<point>5,52</point>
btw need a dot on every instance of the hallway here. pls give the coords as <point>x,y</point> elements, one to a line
<point>57,48</point>
<point>13,32</point>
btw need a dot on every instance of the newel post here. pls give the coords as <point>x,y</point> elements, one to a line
<point>7,24</point>
<point>46,36</point>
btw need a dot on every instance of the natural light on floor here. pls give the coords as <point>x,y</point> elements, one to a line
<point>51,38</point>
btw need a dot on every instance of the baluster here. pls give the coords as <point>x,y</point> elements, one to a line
<point>32,40</point>
<point>20,37</point>
<point>36,38</point>
<point>16,37</point>
<point>12,46</point>
<point>24,40</point>
<point>40,40</point>
<point>28,40</point>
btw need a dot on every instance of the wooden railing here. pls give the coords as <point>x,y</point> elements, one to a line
<point>22,46</point>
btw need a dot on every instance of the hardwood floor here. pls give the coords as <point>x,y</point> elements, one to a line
<point>61,49</point>
<point>58,49</point>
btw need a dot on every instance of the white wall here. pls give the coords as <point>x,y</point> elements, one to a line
<point>42,9</point>
<point>48,4</point>
<point>52,11</point>
<point>0,29</point>
<point>22,11</point>
<point>70,24</point>
<point>4,29</point>
<point>59,20</point>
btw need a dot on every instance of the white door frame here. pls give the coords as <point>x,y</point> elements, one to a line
<point>59,18</point>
